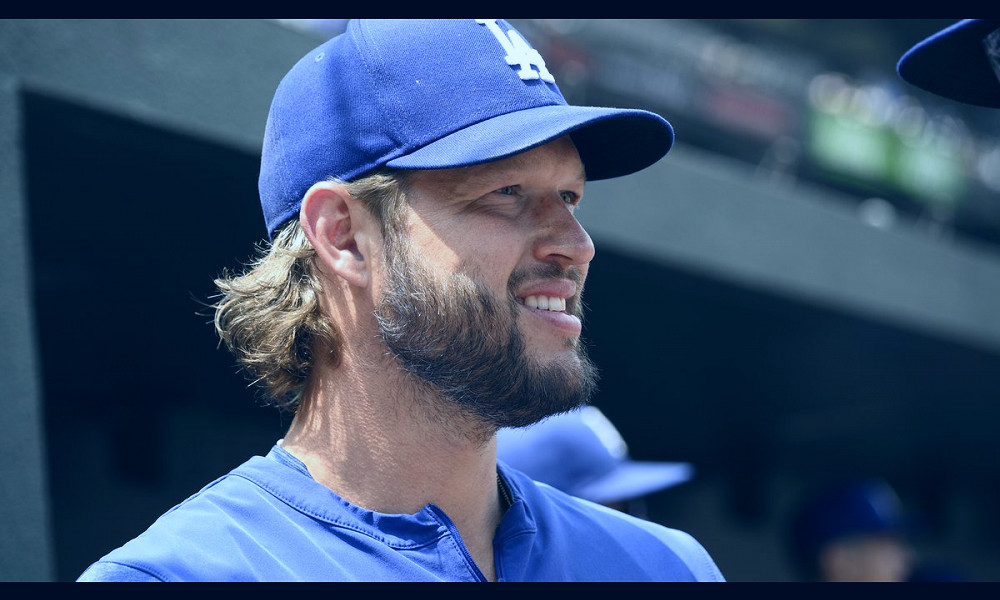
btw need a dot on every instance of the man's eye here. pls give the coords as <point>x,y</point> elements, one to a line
<point>507,190</point>
<point>571,198</point>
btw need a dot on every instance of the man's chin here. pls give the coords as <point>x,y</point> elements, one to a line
<point>562,388</point>
<point>524,419</point>
<point>549,347</point>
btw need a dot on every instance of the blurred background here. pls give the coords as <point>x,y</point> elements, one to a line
<point>804,290</point>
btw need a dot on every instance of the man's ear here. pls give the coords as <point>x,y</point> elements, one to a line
<point>340,230</point>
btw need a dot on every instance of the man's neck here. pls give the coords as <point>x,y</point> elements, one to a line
<point>381,444</point>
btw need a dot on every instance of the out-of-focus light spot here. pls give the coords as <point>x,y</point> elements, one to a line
<point>877,212</point>
<point>829,92</point>
<point>988,168</point>
<point>931,173</point>
<point>850,146</point>
<point>910,122</point>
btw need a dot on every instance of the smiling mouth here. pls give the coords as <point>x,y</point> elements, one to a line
<point>549,303</point>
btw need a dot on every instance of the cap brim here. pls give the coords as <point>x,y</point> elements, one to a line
<point>953,64</point>
<point>632,479</point>
<point>611,142</point>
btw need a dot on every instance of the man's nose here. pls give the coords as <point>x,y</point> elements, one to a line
<point>562,239</point>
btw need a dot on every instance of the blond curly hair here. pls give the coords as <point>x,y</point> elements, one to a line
<point>269,316</point>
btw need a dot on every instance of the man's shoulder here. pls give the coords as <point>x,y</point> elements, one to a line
<point>221,519</point>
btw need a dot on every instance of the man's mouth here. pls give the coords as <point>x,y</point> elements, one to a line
<point>549,303</point>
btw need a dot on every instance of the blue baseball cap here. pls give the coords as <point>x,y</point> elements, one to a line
<point>432,94</point>
<point>583,454</point>
<point>956,63</point>
<point>859,507</point>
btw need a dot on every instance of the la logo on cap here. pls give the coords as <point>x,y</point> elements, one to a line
<point>519,52</point>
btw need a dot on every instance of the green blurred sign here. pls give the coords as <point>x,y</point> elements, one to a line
<point>930,173</point>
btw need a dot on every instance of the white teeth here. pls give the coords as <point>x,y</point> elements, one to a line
<point>546,303</point>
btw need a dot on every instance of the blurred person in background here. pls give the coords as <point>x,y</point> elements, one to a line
<point>960,62</point>
<point>940,571</point>
<point>583,454</point>
<point>852,531</point>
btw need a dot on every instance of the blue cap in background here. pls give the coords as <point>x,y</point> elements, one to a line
<point>583,454</point>
<point>868,506</point>
<point>954,63</point>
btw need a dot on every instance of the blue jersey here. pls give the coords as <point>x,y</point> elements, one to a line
<point>269,520</point>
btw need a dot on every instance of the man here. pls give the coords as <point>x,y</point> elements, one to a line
<point>582,453</point>
<point>960,62</point>
<point>422,290</point>
<point>855,531</point>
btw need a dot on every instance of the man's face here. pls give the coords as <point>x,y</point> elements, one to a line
<point>866,558</point>
<point>481,293</point>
